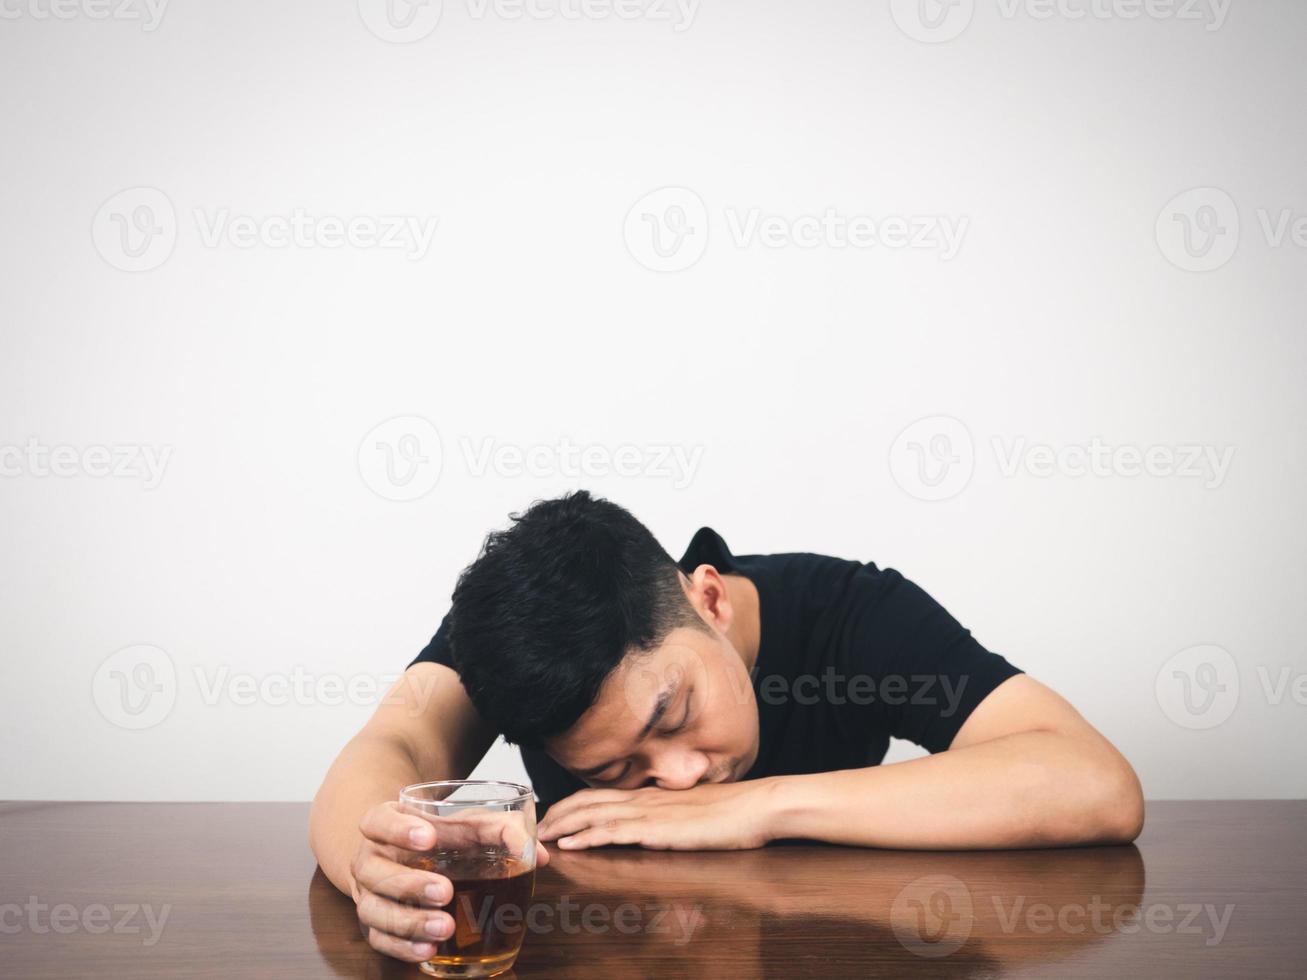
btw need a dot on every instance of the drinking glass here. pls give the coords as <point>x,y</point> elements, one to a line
<point>486,847</point>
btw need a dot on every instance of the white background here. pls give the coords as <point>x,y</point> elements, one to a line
<point>268,552</point>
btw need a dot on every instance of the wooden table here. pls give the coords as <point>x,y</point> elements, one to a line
<point>200,889</point>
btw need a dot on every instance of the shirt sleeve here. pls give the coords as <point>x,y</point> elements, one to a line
<point>438,650</point>
<point>922,671</point>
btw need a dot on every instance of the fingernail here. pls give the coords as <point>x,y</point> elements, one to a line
<point>436,893</point>
<point>437,928</point>
<point>423,949</point>
<point>418,836</point>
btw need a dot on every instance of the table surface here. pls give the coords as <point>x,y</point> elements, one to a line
<point>1213,889</point>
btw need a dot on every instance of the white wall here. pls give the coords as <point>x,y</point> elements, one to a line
<point>269,547</point>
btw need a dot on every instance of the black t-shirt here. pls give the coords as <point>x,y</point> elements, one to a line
<point>850,655</point>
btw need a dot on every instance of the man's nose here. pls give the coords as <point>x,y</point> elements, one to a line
<point>679,770</point>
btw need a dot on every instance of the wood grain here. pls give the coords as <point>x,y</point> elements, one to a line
<point>1214,889</point>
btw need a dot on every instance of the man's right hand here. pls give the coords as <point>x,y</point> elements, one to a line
<point>399,906</point>
<point>402,907</point>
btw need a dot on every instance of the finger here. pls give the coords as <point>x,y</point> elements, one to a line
<point>403,884</point>
<point>621,832</point>
<point>388,824</point>
<point>406,922</point>
<point>542,855</point>
<point>580,801</point>
<point>508,830</point>
<point>401,949</point>
<point>592,816</point>
<point>583,797</point>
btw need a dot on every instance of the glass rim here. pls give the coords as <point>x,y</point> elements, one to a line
<point>523,792</point>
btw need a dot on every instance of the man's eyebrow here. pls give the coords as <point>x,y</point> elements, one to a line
<point>660,708</point>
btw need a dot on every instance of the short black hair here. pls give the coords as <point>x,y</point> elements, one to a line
<point>552,604</point>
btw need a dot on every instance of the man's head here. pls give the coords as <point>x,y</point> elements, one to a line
<point>576,632</point>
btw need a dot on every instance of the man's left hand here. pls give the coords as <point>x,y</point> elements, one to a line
<point>716,816</point>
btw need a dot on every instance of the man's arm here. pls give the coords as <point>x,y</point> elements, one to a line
<point>424,729</point>
<point>1025,770</point>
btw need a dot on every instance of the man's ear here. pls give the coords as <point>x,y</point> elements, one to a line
<point>707,593</point>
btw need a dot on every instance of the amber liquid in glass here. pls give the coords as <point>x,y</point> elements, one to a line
<point>491,892</point>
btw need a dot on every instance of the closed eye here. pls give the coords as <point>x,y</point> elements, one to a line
<point>685,717</point>
<point>612,781</point>
<point>609,780</point>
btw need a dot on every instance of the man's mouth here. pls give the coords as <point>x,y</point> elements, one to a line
<point>729,774</point>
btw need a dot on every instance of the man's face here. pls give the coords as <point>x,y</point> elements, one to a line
<point>681,714</point>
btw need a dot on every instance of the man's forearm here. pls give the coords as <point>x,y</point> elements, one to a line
<point>1029,789</point>
<point>369,770</point>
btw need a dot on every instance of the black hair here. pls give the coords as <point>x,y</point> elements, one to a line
<point>552,604</point>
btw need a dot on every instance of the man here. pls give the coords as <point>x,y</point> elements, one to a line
<point>720,702</point>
